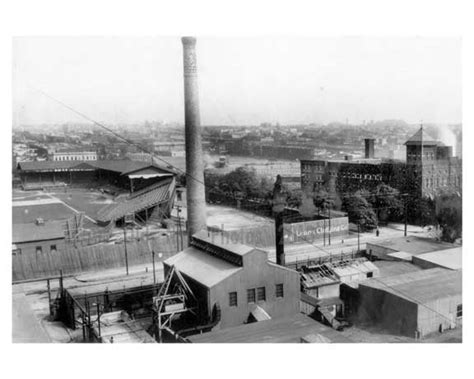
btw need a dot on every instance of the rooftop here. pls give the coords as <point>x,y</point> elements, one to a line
<point>450,258</point>
<point>31,232</point>
<point>147,197</point>
<point>201,266</point>
<point>421,136</point>
<point>421,286</point>
<point>123,166</point>
<point>391,268</point>
<point>412,244</point>
<point>287,330</point>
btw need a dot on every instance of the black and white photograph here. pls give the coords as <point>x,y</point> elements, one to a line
<point>209,188</point>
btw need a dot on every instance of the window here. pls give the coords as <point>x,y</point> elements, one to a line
<point>370,274</point>
<point>232,299</point>
<point>16,252</point>
<point>459,311</point>
<point>52,249</point>
<point>251,295</point>
<point>39,249</point>
<point>279,290</point>
<point>261,294</point>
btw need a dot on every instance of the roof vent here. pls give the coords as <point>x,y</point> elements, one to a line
<point>39,221</point>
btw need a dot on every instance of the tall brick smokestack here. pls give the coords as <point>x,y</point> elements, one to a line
<point>369,147</point>
<point>195,195</point>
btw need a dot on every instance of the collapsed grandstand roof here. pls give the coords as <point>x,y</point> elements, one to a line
<point>138,201</point>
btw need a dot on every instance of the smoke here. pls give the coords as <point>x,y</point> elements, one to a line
<point>447,136</point>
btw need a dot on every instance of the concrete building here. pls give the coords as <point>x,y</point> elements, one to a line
<point>74,155</point>
<point>237,279</point>
<point>413,304</point>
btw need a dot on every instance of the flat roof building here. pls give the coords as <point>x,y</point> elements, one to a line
<point>450,259</point>
<point>413,304</point>
<point>410,245</point>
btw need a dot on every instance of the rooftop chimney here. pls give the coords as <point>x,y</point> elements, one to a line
<point>195,195</point>
<point>369,148</point>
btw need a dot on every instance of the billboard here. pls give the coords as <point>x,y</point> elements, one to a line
<point>310,231</point>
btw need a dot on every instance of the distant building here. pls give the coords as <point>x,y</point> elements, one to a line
<point>74,155</point>
<point>430,169</point>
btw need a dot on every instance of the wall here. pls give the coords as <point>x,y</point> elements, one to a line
<point>73,260</point>
<point>390,311</point>
<point>378,251</point>
<point>28,249</point>
<point>300,232</point>
<point>439,312</point>
<point>257,273</point>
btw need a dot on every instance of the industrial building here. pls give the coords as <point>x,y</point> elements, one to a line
<point>430,169</point>
<point>413,304</point>
<point>237,279</point>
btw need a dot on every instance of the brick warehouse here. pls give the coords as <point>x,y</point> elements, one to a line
<point>430,169</point>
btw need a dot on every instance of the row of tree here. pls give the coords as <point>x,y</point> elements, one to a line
<point>364,208</point>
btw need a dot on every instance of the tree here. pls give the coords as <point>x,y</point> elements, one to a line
<point>449,216</point>
<point>421,211</point>
<point>360,211</point>
<point>322,200</point>
<point>385,200</point>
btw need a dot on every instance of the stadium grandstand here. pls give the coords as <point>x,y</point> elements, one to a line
<point>150,202</point>
<point>115,175</point>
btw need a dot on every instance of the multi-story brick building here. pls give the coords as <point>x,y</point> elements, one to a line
<point>430,169</point>
<point>75,155</point>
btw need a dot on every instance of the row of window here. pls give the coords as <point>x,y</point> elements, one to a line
<point>442,182</point>
<point>39,250</point>
<point>255,295</point>
<point>76,158</point>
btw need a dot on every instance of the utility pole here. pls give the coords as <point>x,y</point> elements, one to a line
<point>329,233</point>
<point>125,246</point>
<point>154,273</point>
<point>358,237</point>
<point>324,231</point>
<point>406,214</point>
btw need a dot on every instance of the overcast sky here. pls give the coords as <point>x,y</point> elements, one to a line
<point>242,80</point>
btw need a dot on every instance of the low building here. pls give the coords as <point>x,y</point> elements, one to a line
<point>414,304</point>
<point>237,279</point>
<point>41,237</point>
<point>390,249</point>
<point>450,259</point>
